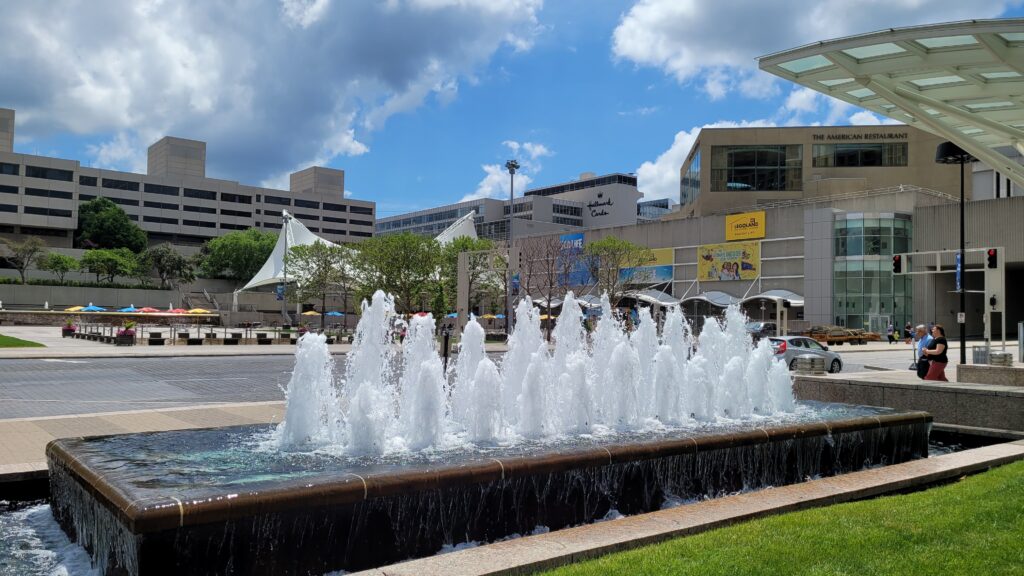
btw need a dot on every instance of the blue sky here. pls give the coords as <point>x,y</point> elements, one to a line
<point>421,101</point>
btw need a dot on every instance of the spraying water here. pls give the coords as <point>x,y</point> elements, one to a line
<point>396,399</point>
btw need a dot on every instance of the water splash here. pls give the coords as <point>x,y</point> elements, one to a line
<point>312,414</point>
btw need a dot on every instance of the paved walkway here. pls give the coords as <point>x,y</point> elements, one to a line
<point>23,450</point>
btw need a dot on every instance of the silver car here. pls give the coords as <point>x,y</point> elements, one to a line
<point>787,348</point>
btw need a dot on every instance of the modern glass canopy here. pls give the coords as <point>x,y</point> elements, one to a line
<point>963,81</point>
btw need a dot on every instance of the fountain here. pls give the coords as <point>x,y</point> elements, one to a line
<point>398,459</point>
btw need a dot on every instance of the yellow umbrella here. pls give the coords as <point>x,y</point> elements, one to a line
<point>73,309</point>
<point>310,313</point>
<point>198,311</point>
<point>488,316</point>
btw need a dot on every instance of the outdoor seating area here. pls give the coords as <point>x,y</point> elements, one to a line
<point>187,334</point>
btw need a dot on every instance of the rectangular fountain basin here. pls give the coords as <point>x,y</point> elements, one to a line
<point>209,502</point>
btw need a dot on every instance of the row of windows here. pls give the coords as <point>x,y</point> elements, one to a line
<point>120,201</point>
<point>198,223</point>
<point>334,231</point>
<point>567,221</point>
<point>592,183</point>
<point>307,204</point>
<point>120,184</point>
<point>237,198</point>
<point>689,187</point>
<point>161,189</point>
<point>9,169</point>
<point>49,193</point>
<point>568,210</point>
<point>757,168</point>
<point>335,207</point>
<point>49,173</point>
<point>87,181</point>
<point>360,222</point>
<point>335,219</point>
<point>32,231</point>
<point>307,216</point>
<point>8,189</point>
<point>361,210</point>
<point>860,155</point>
<point>8,208</point>
<point>360,234</point>
<point>240,213</point>
<point>201,194</point>
<point>268,199</point>
<point>39,211</point>
<point>228,226</point>
<point>160,220</point>
<point>200,209</point>
<point>160,205</point>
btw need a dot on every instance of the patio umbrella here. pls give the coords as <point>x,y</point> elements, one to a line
<point>452,315</point>
<point>335,313</point>
<point>74,309</point>
<point>198,311</point>
<point>128,309</point>
<point>310,313</point>
<point>177,311</point>
<point>421,313</point>
<point>148,310</point>
<point>488,317</point>
<point>92,308</point>
<point>499,316</point>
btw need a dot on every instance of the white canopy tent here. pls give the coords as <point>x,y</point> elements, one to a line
<point>464,226</point>
<point>293,233</point>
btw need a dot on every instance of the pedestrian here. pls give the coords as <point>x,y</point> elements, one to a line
<point>908,332</point>
<point>920,341</point>
<point>936,354</point>
<point>890,331</point>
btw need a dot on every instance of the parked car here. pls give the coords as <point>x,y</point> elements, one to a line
<point>761,329</point>
<point>787,348</point>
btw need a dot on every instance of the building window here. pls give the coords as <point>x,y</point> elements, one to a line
<point>360,234</point>
<point>313,229</point>
<point>87,181</point>
<point>326,218</point>
<point>227,226</point>
<point>360,222</point>
<point>860,155</point>
<point>160,189</point>
<point>306,216</point>
<point>8,189</point>
<point>46,211</point>
<point>32,231</point>
<point>335,207</point>
<point>307,204</point>
<point>334,231</point>
<point>8,208</point>
<point>159,220</point>
<point>277,200</point>
<point>49,173</point>
<point>271,224</point>
<point>361,210</point>
<point>120,184</point>
<point>199,223</point>
<point>236,198</point>
<point>240,213</point>
<point>757,168</point>
<point>160,205</point>
<point>689,186</point>
<point>201,194</point>
<point>866,294</point>
<point>9,169</point>
<point>49,193</point>
<point>118,201</point>
<point>200,209</point>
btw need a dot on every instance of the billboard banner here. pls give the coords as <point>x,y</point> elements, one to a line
<point>744,226</point>
<point>572,252</point>
<point>730,261</point>
<point>659,271</point>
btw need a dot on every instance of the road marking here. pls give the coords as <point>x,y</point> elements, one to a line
<point>65,361</point>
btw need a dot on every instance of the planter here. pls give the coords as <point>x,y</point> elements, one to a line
<point>67,332</point>
<point>124,340</point>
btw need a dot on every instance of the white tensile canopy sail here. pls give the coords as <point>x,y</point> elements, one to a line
<point>462,227</point>
<point>293,233</point>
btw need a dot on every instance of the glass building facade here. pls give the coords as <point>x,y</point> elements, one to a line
<point>689,185</point>
<point>757,168</point>
<point>865,292</point>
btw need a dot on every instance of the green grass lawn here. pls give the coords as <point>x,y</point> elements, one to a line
<point>12,342</point>
<point>972,527</point>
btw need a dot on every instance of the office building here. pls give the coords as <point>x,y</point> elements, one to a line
<point>173,202</point>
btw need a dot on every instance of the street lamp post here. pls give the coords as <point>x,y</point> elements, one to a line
<point>950,153</point>
<point>512,166</point>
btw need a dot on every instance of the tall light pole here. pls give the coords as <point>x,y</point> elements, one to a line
<point>950,153</point>
<point>512,166</point>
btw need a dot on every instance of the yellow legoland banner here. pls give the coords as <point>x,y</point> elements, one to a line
<point>731,261</point>
<point>744,226</point>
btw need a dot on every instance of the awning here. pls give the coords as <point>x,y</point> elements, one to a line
<point>654,297</point>
<point>777,296</point>
<point>715,298</point>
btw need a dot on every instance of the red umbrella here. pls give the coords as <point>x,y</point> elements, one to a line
<point>148,310</point>
<point>178,311</point>
<point>421,313</point>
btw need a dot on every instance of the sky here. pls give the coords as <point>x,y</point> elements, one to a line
<point>421,102</point>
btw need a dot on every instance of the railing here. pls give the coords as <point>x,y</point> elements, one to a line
<point>837,197</point>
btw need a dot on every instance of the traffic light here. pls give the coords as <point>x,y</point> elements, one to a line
<point>993,258</point>
<point>897,264</point>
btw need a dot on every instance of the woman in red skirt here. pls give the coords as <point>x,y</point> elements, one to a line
<point>936,354</point>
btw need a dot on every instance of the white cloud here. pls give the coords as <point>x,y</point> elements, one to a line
<point>716,43</point>
<point>865,118</point>
<point>496,180</point>
<point>641,111</point>
<point>660,178</point>
<point>287,83</point>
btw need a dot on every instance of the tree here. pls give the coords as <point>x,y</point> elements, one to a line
<point>318,269</point>
<point>21,255</point>
<point>478,268</point>
<point>171,267</point>
<point>103,224</point>
<point>237,255</point>
<point>608,257</point>
<point>404,265</point>
<point>546,269</point>
<point>58,264</point>
<point>108,264</point>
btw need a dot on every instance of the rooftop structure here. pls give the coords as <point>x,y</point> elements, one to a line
<point>963,81</point>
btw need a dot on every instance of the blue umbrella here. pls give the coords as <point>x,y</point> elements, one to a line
<point>91,308</point>
<point>451,315</point>
<point>499,316</point>
<point>129,309</point>
<point>334,313</point>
